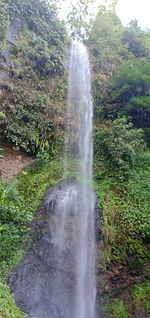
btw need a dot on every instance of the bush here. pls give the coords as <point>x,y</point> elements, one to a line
<point>118,309</point>
<point>13,221</point>
<point>118,144</point>
<point>132,220</point>
<point>141,296</point>
<point>114,308</point>
<point>125,209</point>
<point>8,308</point>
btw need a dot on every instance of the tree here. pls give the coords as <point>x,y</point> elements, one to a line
<point>107,53</point>
<point>79,19</point>
<point>131,92</point>
<point>105,41</point>
<point>135,38</point>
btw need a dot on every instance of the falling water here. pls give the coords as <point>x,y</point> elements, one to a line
<point>75,231</point>
<point>80,149</point>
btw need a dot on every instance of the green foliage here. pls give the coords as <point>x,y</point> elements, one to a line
<point>134,300</point>
<point>147,136</point>
<point>105,41</point>
<point>107,52</point>
<point>31,130</point>
<point>120,60</point>
<point>33,106</point>
<point>125,209</point>
<point>77,24</point>
<point>135,38</point>
<point>34,103</point>
<point>141,296</point>
<point>131,92</point>
<point>36,179</point>
<point>114,308</point>
<point>2,115</point>
<point>18,201</point>
<point>33,122</point>
<point>48,33</point>
<point>46,60</point>
<point>118,144</point>
<point>13,221</point>
<point>118,309</point>
<point>133,220</point>
<point>8,308</point>
<point>107,203</point>
<point>4,18</point>
<point>122,184</point>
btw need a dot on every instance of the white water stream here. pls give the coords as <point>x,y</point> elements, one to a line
<point>76,205</point>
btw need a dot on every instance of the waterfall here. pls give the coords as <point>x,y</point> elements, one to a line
<point>79,145</point>
<point>56,277</point>
<point>80,201</point>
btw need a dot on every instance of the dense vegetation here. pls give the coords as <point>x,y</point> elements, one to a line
<point>32,104</point>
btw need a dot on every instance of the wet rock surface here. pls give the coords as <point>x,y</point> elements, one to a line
<point>35,282</point>
<point>6,64</point>
<point>13,32</point>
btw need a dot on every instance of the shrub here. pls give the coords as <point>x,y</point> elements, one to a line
<point>141,296</point>
<point>118,145</point>
<point>118,309</point>
<point>8,308</point>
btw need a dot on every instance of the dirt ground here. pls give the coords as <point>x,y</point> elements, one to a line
<point>12,164</point>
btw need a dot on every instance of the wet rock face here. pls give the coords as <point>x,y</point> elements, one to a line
<point>13,32</point>
<point>35,282</point>
<point>5,59</point>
